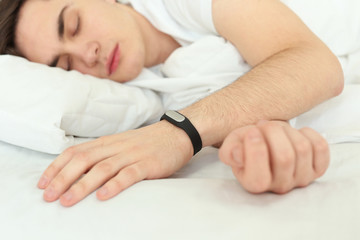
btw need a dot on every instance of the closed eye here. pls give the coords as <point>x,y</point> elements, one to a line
<point>77,28</point>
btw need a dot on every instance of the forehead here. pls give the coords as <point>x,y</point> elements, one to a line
<point>36,31</point>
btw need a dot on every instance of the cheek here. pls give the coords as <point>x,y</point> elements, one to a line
<point>31,46</point>
<point>94,71</point>
<point>128,70</point>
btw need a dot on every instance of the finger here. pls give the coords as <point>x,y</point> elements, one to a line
<point>55,167</point>
<point>321,152</point>
<point>97,176</point>
<point>282,157</point>
<point>256,176</point>
<point>75,168</point>
<point>124,179</point>
<point>304,172</point>
<point>231,151</point>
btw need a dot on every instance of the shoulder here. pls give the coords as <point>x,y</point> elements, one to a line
<point>195,14</point>
<point>185,20</point>
<point>259,28</point>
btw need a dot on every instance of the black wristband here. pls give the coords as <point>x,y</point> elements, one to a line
<point>182,122</point>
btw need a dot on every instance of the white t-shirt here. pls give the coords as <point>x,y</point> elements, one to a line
<point>185,20</point>
<point>196,69</point>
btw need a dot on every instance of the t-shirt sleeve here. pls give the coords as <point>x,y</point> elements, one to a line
<point>194,15</point>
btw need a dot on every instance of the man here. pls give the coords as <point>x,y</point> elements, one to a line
<point>292,72</point>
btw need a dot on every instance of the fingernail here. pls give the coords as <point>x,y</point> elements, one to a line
<point>49,194</point>
<point>43,182</point>
<point>103,191</point>
<point>236,154</point>
<point>67,196</point>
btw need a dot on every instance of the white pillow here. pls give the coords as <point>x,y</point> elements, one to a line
<point>42,108</point>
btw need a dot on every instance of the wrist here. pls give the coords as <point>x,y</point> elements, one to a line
<point>180,121</point>
<point>178,139</point>
<point>209,130</point>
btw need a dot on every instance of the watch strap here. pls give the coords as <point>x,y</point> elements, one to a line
<point>184,123</point>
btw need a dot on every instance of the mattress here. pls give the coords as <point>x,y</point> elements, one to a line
<point>200,201</point>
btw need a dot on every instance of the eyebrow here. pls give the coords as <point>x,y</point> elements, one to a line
<point>60,32</point>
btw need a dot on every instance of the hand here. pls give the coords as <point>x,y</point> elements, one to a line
<point>273,156</point>
<point>116,162</point>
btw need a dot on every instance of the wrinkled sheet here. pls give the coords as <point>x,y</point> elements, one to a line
<point>201,201</point>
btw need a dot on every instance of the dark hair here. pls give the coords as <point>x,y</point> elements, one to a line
<point>9,11</point>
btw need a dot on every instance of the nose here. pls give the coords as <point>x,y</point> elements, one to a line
<point>86,53</point>
<point>91,53</point>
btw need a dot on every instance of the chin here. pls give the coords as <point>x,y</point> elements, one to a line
<point>127,76</point>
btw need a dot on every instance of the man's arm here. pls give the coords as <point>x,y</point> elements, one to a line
<point>293,70</point>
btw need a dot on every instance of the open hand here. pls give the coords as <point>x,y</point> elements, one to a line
<point>116,162</point>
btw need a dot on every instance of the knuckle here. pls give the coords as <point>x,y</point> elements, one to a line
<point>303,148</point>
<point>136,147</point>
<point>52,169</point>
<point>104,167</point>
<point>323,157</point>
<point>321,146</point>
<point>82,159</point>
<point>82,156</point>
<point>256,186</point>
<point>81,187</point>
<point>118,185</point>
<point>253,131</point>
<point>59,180</point>
<point>70,151</point>
<point>269,126</point>
<point>304,182</point>
<point>103,140</point>
<point>306,129</point>
<point>323,166</point>
<point>322,171</point>
<point>304,179</point>
<point>286,159</point>
<point>282,188</point>
<point>260,153</point>
<point>132,172</point>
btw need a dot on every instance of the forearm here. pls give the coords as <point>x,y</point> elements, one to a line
<point>281,87</point>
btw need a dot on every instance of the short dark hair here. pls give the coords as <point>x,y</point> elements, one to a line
<point>9,12</point>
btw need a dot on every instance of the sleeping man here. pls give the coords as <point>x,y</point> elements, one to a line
<point>292,71</point>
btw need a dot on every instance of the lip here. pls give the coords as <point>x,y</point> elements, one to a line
<point>113,60</point>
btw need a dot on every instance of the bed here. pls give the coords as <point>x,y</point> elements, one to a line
<point>201,201</point>
<point>41,116</point>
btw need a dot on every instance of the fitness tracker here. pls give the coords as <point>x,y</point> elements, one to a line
<point>182,122</point>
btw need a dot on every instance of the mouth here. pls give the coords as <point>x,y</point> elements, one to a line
<point>113,60</point>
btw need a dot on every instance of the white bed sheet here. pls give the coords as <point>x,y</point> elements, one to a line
<point>201,201</point>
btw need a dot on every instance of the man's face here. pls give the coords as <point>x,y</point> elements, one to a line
<point>96,37</point>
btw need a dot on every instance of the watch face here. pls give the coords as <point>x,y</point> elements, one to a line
<point>175,115</point>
